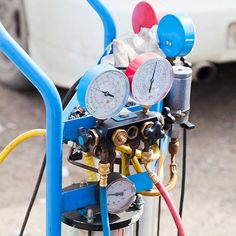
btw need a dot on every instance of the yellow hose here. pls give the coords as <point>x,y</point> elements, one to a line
<point>124,165</point>
<point>171,184</point>
<point>18,140</point>
<point>160,171</point>
<point>128,150</point>
<point>136,165</point>
<point>89,161</point>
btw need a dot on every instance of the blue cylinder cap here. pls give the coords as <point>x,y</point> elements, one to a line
<point>176,35</point>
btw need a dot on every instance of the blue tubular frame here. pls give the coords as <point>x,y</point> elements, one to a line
<point>107,20</point>
<point>56,201</point>
<point>53,124</point>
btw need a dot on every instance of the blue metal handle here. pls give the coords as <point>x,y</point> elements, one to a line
<point>107,20</point>
<point>53,124</point>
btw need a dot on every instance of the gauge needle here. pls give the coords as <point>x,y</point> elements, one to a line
<point>152,79</point>
<point>116,194</point>
<point>106,93</point>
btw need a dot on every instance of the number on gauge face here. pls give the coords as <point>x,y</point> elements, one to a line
<point>152,81</point>
<point>120,195</point>
<point>107,94</point>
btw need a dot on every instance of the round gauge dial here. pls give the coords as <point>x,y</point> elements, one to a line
<point>151,81</point>
<point>103,91</point>
<point>120,194</point>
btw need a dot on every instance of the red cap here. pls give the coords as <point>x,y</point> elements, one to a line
<point>146,14</point>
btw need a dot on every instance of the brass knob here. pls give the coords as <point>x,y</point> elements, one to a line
<point>174,146</point>
<point>119,137</point>
<point>96,137</point>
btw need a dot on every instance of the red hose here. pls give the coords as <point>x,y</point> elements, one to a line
<point>171,207</point>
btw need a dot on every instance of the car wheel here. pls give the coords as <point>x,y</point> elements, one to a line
<point>13,18</point>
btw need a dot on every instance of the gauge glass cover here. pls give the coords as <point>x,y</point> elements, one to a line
<point>107,94</point>
<point>152,81</point>
<point>120,195</point>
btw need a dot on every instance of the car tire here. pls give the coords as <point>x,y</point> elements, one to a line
<point>12,16</point>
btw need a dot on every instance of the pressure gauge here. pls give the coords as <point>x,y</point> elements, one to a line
<point>103,91</point>
<point>150,77</point>
<point>120,193</point>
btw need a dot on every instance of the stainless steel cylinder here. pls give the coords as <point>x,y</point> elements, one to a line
<point>71,231</point>
<point>178,99</point>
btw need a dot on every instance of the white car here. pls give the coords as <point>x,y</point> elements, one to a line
<point>66,37</point>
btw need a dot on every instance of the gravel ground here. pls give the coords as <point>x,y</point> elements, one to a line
<point>211,192</point>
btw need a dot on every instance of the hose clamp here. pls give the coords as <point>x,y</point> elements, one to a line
<point>155,179</point>
<point>103,170</point>
<point>173,168</point>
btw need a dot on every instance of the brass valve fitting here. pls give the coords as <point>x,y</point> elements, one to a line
<point>119,137</point>
<point>132,132</point>
<point>95,136</point>
<point>146,125</point>
<point>147,157</point>
<point>103,170</point>
<point>145,108</point>
<point>153,176</point>
<point>173,146</point>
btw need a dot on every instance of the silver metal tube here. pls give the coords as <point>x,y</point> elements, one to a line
<point>178,99</point>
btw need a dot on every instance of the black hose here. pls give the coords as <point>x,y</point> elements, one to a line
<point>70,94</point>
<point>65,102</point>
<point>181,205</point>
<point>137,228</point>
<point>35,192</point>
<point>183,173</point>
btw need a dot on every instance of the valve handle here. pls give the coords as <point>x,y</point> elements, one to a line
<point>77,156</point>
<point>154,133</point>
<point>168,118</point>
<point>84,138</point>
